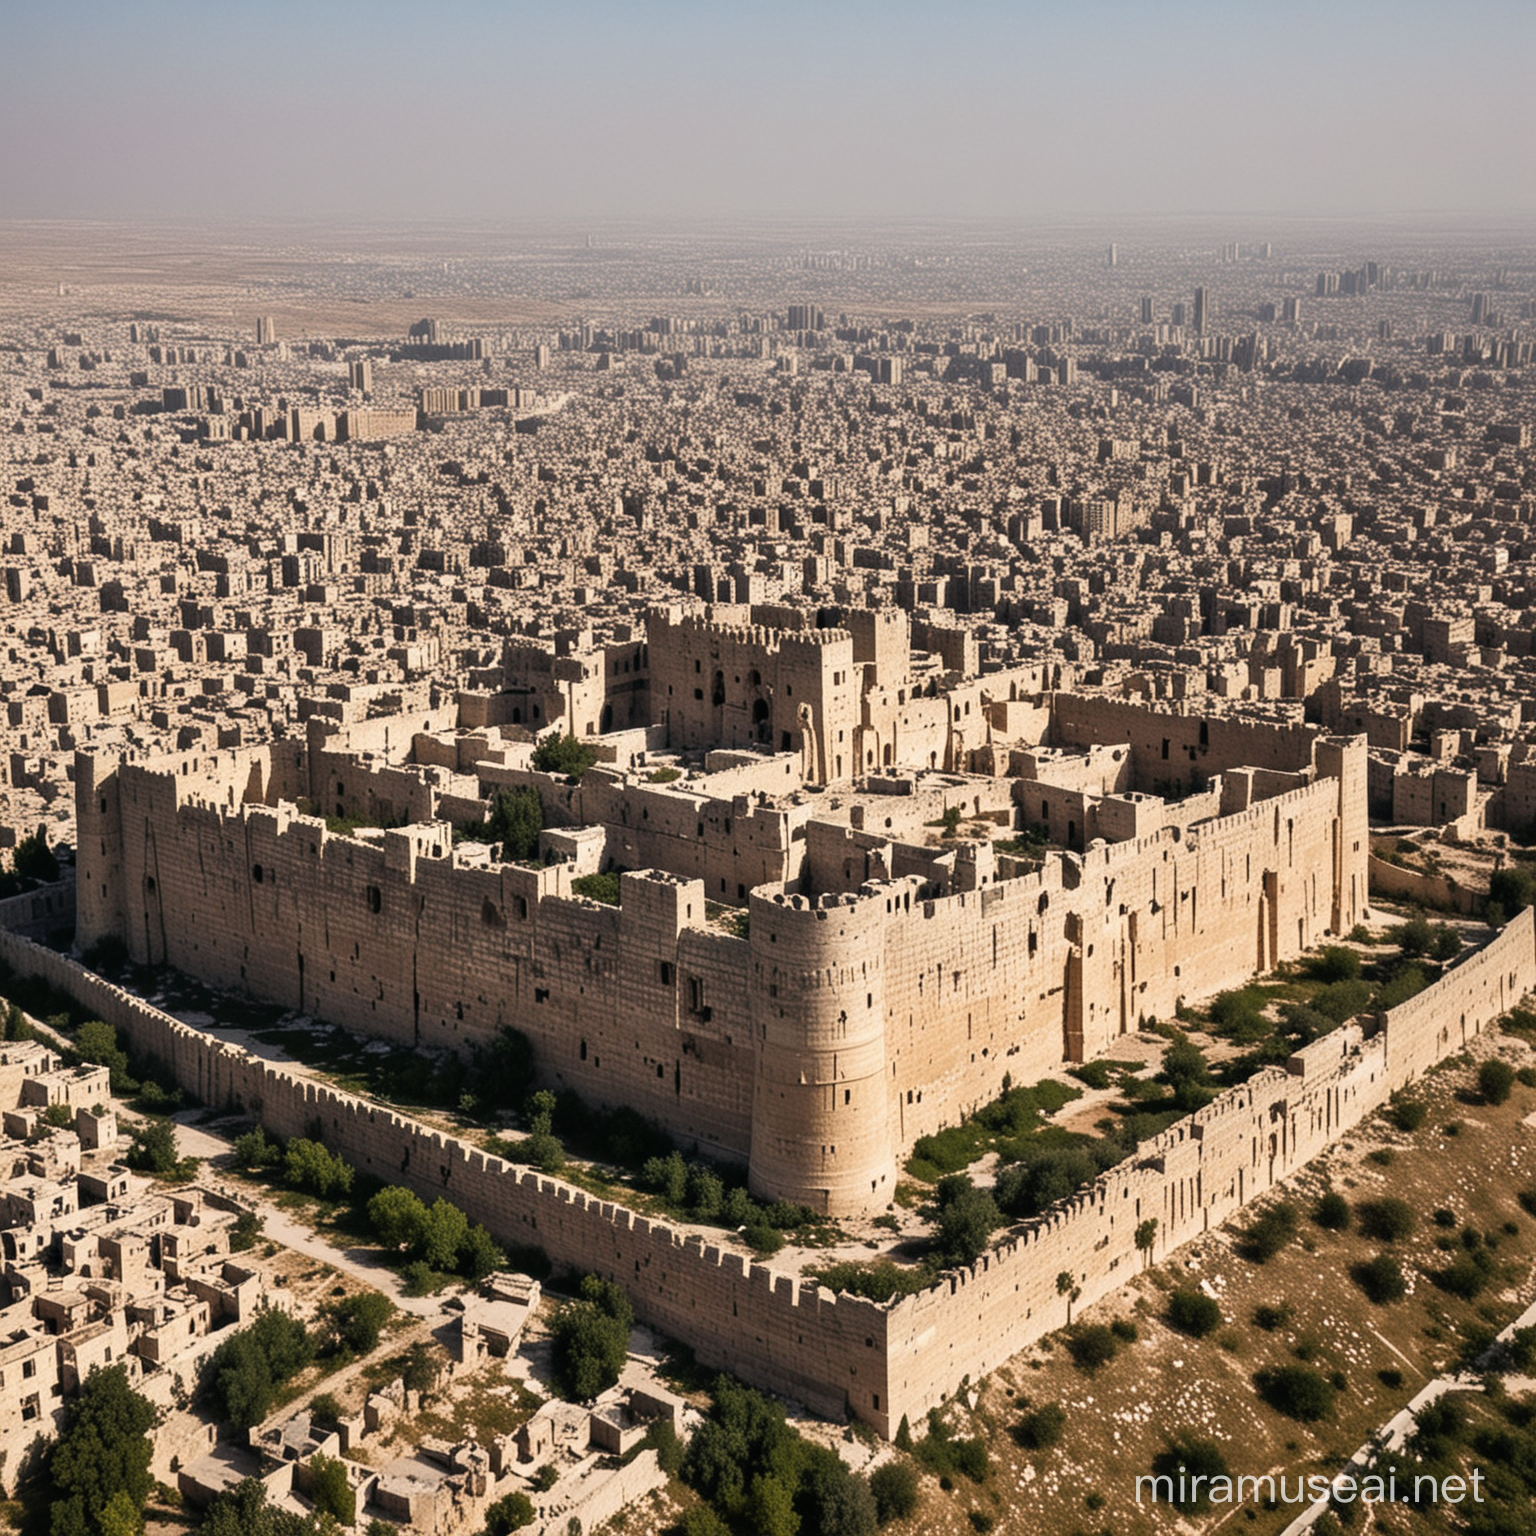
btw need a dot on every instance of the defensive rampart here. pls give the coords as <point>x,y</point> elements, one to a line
<point>846,1355</point>
<point>1193,1177</point>
<point>767,1327</point>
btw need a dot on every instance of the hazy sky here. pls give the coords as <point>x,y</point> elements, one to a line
<point>670,109</point>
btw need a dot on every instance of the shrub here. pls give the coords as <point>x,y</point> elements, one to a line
<point>1297,1391</point>
<point>700,1520</point>
<point>1406,983</point>
<point>563,755</point>
<point>1124,1330</point>
<point>601,887</point>
<point>1407,1114</point>
<point>545,1478</point>
<point>662,1438</point>
<point>1495,1081</point>
<point>310,1165</point>
<point>1040,1428</point>
<point>154,1151</point>
<point>516,820</point>
<point>967,1217</point>
<point>329,1489</point>
<point>1092,1346</point>
<point>1381,1279</point>
<point>244,1373</point>
<point>246,1230</point>
<point>355,1322</point>
<point>1272,1318</point>
<point>1388,1220</point>
<point>894,1487</point>
<point>325,1409</point>
<point>1463,1277</point>
<point>1200,1461</point>
<point>1194,1313</point>
<point>1269,1233</point>
<point>511,1512</point>
<point>1414,938</point>
<point>1334,962</point>
<point>255,1150</point>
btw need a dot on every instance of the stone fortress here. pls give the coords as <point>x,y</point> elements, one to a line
<point>890,977</point>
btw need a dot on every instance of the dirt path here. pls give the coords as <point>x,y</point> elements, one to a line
<point>279,1226</point>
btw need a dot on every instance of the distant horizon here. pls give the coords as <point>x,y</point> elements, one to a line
<point>680,111</point>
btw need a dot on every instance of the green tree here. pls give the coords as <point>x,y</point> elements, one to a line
<point>244,1511</point>
<point>509,1513</point>
<point>1388,1219</point>
<point>563,755</point>
<point>591,1340</point>
<point>480,1254</point>
<point>311,1165</point>
<point>894,1487</point>
<point>1381,1279</point>
<point>967,1217</point>
<point>1332,1212</point>
<point>101,1456</point>
<point>834,1500</point>
<point>1297,1391</point>
<point>1334,962</point>
<point>121,1517</point>
<point>1495,1081</point>
<point>420,1371</point>
<point>153,1149</point>
<point>1512,888</point>
<point>541,1147</point>
<point>397,1216</point>
<point>771,1508</point>
<point>1040,1428</point>
<point>443,1233</point>
<point>355,1322</point>
<point>516,820</point>
<point>1415,938</point>
<point>1187,1073</point>
<point>330,1490</point>
<point>701,1520</point>
<point>254,1149</point>
<point>1194,1313</point>
<point>244,1373</point>
<point>668,1176</point>
<point>1197,1459</point>
<point>34,859</point>
<point>96,1043</point>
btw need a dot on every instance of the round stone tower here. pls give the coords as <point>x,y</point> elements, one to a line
<point>821,1100</point>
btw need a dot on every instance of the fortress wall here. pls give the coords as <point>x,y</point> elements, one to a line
<point>425,952</point>
<point>1015,976</point>
<point>848,1354</point>
<point>393,937</point>
<point>1195,1175</point>
<point>1196,744</point>
<point>738,1315</point>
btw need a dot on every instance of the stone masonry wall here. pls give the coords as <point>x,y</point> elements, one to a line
<point>846,1355</point>
<point>793,1339</point>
